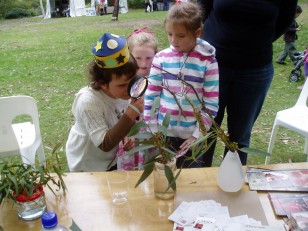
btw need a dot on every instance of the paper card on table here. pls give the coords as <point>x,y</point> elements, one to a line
<point>254,222</point>
<point>286,203</point>
<point>177,215</point>
<point>178,227</point>
<point>299,220</point>
<point>261,228</point>
<point>219,214</point>
<point>229,227</point>
<point>243,202</point>
<point>278,180</point>
<point>242,219</point>
<point>203,224</point>
<point>186,213</point>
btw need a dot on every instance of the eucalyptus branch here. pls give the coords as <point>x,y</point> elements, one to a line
<point>175,98</point>
<point>215,127</point>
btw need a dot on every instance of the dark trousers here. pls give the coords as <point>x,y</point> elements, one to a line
<point>155,7</point>
<point>166,5</point>
<point>289,49</point>
<point>241,94</point>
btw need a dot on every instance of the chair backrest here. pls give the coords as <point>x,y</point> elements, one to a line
<point>302,99</point>
<point>10,108</point>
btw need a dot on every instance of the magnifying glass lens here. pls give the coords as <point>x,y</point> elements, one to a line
<point>137,86</point>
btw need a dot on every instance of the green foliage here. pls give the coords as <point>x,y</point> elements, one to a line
<point>31,6</point>
<point>17,13</point>
<point>136,4</point>
<point>18,178</point>
<point>148,169</point>
<point>153,141</point>
<point>170,178</point>
<point>148,140</point>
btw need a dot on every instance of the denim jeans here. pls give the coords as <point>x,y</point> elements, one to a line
<point>241,94</point>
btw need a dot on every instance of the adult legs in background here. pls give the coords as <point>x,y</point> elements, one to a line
<point>155,8</point>
<point>146,6</point>
<point>241,94</point>
<point>166,5</point>
<point>289,49</point>
<point>151,5</point>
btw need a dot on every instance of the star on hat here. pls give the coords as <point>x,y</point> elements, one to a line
<point>111,51</point>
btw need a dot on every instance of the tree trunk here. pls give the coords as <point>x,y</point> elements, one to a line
<point>42,8</point>
<point>115,12</point>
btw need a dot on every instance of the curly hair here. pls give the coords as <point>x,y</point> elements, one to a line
<point>99,76</point>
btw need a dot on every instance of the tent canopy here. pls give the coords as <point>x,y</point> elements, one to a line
<point>78,7</point>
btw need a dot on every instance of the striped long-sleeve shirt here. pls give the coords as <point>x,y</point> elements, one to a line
<point>198,68</point>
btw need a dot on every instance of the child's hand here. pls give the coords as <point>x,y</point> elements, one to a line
<point>185,146</point>
<point>128,143</point>
<point>136,108</point>
<point>138,103</point>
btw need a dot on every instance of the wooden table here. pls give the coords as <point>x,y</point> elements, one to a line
<point>88,202</point>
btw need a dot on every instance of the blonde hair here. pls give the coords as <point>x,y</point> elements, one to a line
<point>187,14</point>
<point>141,38</point>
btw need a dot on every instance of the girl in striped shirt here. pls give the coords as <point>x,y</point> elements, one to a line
<point>188,62</point>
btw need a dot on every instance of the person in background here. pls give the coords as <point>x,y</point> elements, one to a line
<point>104,112</point>
<point>102,7</point>
<point>105,5</point>
<point>66,11</point>
<point>155,7</point>
<point>143,46</point>
<point>289,38</point>
<point>147,6</point>
<point>305,68</point>
<point>166,5</point>
<point>191,59</point>
<point>243,33</point>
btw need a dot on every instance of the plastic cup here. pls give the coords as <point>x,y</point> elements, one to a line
<point>118,186</point>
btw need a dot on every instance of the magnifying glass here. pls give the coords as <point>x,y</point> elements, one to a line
<point>137,86</point>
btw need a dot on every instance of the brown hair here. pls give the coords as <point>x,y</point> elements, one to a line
<point>99,76</point>
<point>186,13</point>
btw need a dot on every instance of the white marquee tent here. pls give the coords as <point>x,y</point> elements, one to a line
<point>78,7</point>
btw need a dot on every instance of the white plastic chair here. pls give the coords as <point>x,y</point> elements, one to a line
<point>24,137</point>
<point>294,118</point>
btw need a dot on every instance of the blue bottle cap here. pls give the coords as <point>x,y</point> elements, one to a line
<point>49,220</point>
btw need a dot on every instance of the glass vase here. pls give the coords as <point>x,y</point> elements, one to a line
<point>161,182</point>
<point>230,174</point>
<point>31,208</point>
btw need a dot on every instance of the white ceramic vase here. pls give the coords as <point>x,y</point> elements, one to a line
<point>230,174</point>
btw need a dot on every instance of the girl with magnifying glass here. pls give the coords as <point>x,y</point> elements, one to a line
<point>104,112</point>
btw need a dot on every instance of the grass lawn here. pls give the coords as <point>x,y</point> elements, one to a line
<point>46,58</point>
